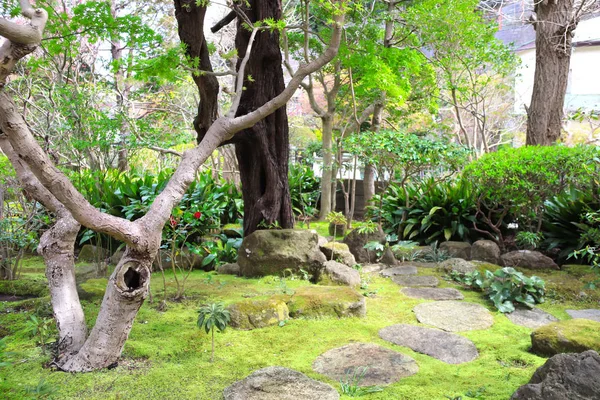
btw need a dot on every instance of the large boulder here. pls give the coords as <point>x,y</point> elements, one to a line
<point>569,336</point>
<point>457,265</point>
<point>457,249</point>
<point>564,376</point>
<point>356,243</point>
<point>253,314</point>
<point>528,259</point>
<point>279,383</point>
<point>270,252</point>
<point>486,250</point>
<point>336,273</point>
<point>92,253</point>
<point>339,252</point>
<point>325,301</point>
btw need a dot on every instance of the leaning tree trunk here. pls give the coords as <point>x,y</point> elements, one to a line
<point>554,26</point>
<point>262,150</point>
<point>327,176</point>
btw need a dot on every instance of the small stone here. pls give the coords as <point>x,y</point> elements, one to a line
<point>569,336</point>
<point>253,314</point>
<point>457,249</point>
<point>116,257</point>
<point>457,265</point>
<point>279,383</point>
<point>447,347</point>
<point>92,253</point>
<point>338,252</point>
<point>404,270</point>
<point>454,316</point>
<point>325,301</point>
<point>486,251</point>
<point>229,269</point>
<point>433,293</point>
<point>528,259</point>
<point>369,268</point>
<point>416,281</point>
<point>531,319</point>
<point>564,376</point>
<point>340,274</point>
<point>590,313</point>
<point>381,366</point>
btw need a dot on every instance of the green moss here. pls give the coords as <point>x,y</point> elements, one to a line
<point>570,336</point>
<point>25,287</point>
<point>252,314</point>
<point>325,301</point>
<point>93,288</point>
<point>337,246</point>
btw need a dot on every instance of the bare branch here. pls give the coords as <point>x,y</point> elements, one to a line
<point>240,79</point>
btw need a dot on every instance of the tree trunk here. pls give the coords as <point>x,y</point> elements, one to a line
<point>262,150</point>
<point>554,28</point>
<point>369,179</point>
<point>326,177</point>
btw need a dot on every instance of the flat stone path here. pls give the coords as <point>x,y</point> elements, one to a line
<point>591,313</point>
<point>415,281</point>
<point>447,347</point>
<point>403,270</point>
<point>454,316</point>
<point>381,366</point>
<point>433,293</point>
<point>279,383</point>
<point>531,319</point>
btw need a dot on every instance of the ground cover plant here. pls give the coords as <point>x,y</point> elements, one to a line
<point>168,356</point>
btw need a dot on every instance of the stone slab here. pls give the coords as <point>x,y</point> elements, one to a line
<point>402,270</point>
<point>531,319</point>
<point>454,316</point>
<point>447,347</point>
<point>590,313</point>
<point>433,293</point>
<point>278,383</point>
<point>416,281</point>
<point>381,366</point>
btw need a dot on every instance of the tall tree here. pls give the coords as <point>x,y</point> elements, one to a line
<point>554,22</point>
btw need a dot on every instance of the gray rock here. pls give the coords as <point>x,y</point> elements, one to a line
<point>388,258</point>
<point>270,252</point>
<point>486,250</point>
<point>253,314</point>
<point>403,270</point>
<point>92,253</point>
<point>457,265</point>
<point>338,252</point>
<point>368,268</point>
<point>90,271</point>
<point>528,259</point>
<point>420,264</point>
<point>416,281</point>
<point>229,269</point>
<point>433,293</point>
<point>531,319</point>
<point>590,313</point>
<point>568,336</point>
<point>279,383</point>
<point>325,301</point>
<point>382,366</point>
<point>447,347</point>
<point>457,249</point>
<point>356,243</point>
<point>340,274</point>
<point>454,316</point>
<point>564,376</point>
<point>185,259</point>
<point>116,257</point>
<point>321,240</point>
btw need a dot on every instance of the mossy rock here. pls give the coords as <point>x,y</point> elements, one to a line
<point>313,302</point>
<point>253,314</point>
<point>570,336</point>
<point>25,287</point>
<point>93,288</point>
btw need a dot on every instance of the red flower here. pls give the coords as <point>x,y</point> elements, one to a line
<point>197,214</point>
<point>173,221</point>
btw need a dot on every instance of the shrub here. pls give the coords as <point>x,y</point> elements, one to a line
<point>505,287</point>
<point>305,189</point>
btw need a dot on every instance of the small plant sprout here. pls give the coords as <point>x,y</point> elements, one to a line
<point>211,316</point>
<point>350,384</point>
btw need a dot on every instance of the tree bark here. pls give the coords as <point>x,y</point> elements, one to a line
<point>554,26</point>
<point>262,150</point>
<point>326,177</point>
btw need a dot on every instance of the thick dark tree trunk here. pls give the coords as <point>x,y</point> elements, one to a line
<point>190,23</point>
<point>554,26</point>
<point>262,151</point>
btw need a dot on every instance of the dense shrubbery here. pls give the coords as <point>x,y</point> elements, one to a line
<point>305,189</point>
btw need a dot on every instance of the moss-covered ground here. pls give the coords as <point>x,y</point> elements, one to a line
<point>167,356</point>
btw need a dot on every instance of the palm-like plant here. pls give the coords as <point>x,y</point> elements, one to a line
<point>211,316</point>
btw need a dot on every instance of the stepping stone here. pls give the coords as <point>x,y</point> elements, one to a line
<point>531,319</point>
<point>368,268</point>
<point>433,293</point>
<point>415,281</point>
<point>590,313</point>
<point>447,347</point>
<point>403,270</point>
<point>381,366</point>
<point>278,383</point>
<point>454,316</point>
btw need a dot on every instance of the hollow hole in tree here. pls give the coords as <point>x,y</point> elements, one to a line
<point>132,279</point>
